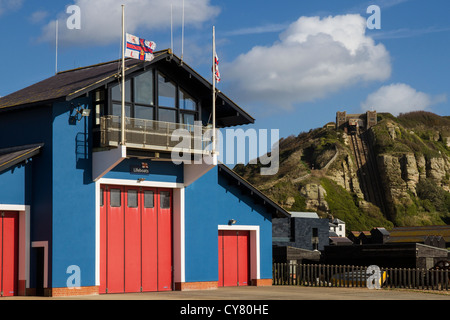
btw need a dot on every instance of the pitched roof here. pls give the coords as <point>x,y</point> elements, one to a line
<point>68,85</point>
<point>9,157</point>
<point>63,85</point>
<point>278,211</point>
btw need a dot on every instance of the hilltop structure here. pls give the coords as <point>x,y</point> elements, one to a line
<point>350,122</point>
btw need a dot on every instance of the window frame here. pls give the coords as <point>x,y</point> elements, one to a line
<point>156,105</point>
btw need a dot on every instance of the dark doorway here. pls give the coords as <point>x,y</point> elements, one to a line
<point>39,271</point>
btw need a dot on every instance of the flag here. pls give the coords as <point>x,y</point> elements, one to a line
<point>216,68</point>
<point>140,49</point>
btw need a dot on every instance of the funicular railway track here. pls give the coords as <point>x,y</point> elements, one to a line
<point>366,169</point>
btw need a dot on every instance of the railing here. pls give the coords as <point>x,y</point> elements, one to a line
<point>355,276</point>
<point>155,135</point>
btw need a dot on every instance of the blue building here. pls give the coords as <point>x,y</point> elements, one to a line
<point>83,213</point>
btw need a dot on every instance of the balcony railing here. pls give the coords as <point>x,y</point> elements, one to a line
<point>155,135</point>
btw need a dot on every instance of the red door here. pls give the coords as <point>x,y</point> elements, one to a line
<point>132,240</point>
<point>103,238</point>
<point>243,257</point>
<point>115,244</point>
<point>234,257</point>
<point>149,240</point>
<point>9,243</point>
<point>164,239</point>
<point>136,239</point>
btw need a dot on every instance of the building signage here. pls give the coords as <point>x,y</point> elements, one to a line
<point>140,169</point>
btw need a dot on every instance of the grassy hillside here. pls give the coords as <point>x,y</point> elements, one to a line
<point>319,157</point>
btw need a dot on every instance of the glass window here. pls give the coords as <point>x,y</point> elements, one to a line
<point>117,110</point>
<point>188,119</point>
<point>99,112</point>
<point>99,95</point>
<point>164,198</point>
<point>167,115</point>
<point>149,199</point>
<point>132,198</point>
<point>101,198</point>
<point>143,112</point>
<point>166,92</point>
<point>186,101</point>
<point>116,91</point>
<point>143,88</point>
<point>115,198</point>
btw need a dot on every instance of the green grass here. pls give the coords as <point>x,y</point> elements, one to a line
<point>343,206</point>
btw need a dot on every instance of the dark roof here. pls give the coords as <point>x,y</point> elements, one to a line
<point>418,234</point>
<point>9,157</point>
<point>381,230</point>
<point>68,85</point>
<point>277,210</point>
<point>340,240</point>
<point>64,85</point>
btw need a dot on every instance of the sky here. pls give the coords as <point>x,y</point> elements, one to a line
<point>290,64</point>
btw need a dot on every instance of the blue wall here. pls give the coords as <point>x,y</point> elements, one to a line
<point>15,184</point>
<point>211,201</point>
<point>31,126</point>
<point>73,196</point>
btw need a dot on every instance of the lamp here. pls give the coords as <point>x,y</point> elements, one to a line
<point>231,222</point>
<point>81,112</point>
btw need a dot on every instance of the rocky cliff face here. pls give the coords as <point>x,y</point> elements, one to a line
<point>318,172</point>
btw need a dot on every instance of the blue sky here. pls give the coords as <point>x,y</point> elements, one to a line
<point>290,64</point>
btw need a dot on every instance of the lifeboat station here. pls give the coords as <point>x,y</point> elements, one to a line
<point>83,212</point>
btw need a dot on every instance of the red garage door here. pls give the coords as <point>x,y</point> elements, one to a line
<point>234,258</point>
<point>9,242</point>
<point>136,239</point>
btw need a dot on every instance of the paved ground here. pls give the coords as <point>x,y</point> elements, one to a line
<point>266,293</point>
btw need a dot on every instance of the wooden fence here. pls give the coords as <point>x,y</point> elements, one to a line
<point>355,276</point>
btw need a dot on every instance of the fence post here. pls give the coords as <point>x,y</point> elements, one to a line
<point>446,279</point>
<point>327,277</point>
<point>274,278</point>
<point>274,272</point>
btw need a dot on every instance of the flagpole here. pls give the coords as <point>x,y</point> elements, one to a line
<point>182,34</point>
<point>56,58</point>
<point>122,139</point>
<point>214,94</point>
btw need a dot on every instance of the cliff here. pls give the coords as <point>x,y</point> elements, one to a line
<point>399,177</point>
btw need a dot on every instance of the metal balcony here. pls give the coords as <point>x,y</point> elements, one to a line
<point>155,135</point>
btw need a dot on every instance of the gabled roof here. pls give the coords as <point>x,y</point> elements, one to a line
<point>9,157</point>
<point>276,209</point>
<point>68,85</point>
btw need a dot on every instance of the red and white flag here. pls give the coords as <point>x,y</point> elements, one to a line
<point>140,49</point>
<point>216,68</point>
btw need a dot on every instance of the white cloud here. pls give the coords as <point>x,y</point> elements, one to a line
<point>38,16</point>
<point>313,58</point>
<point>268,28</point>
<point>400,98</point>
<point>101,19</point>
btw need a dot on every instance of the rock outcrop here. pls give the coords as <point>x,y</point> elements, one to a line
<point>411,152</point>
